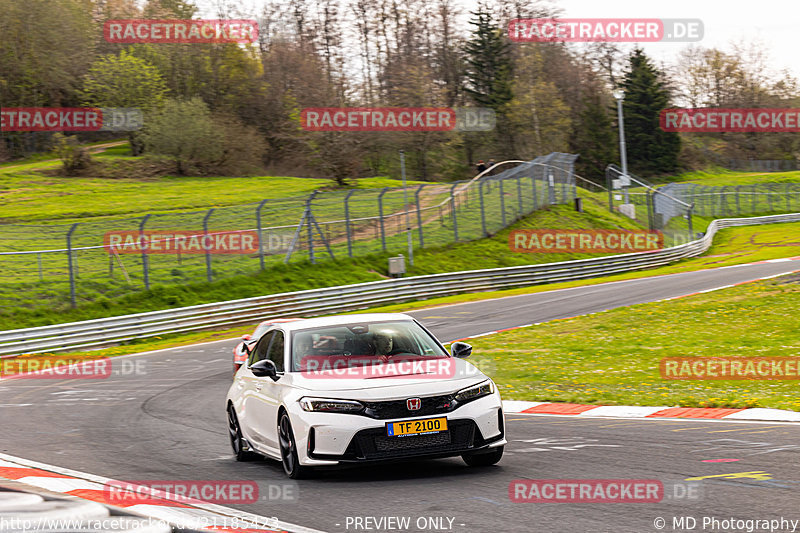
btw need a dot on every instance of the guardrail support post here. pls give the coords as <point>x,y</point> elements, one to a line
<point>209,276</point>
<point>145,258</point>
<point>260,234</point>
<point>419,216</point>
<point>347,222</point>
<point>71,266</point>
<point>453,207</point>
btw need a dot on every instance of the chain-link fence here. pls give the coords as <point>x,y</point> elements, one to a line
<point>735,200</point>
<point>114,256</point>
<point>656,208</point>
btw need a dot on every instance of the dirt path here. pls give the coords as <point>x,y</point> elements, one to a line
<point>92,150</point>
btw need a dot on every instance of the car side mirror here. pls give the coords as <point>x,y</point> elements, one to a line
<point>246,337</point>
<point>264,368</point>
<point>460,350</point>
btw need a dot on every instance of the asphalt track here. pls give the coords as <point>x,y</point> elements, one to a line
<point>163,419</point>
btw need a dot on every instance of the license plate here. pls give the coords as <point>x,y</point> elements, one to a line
<point>425,426</point>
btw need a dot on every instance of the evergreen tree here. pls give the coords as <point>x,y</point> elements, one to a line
<point>650,149</point>
<point>594,139</point>
<point>488,73</point>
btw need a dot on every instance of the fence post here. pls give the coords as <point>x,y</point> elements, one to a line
<point>753,199</point>
<point>71,267</point>
<point>650,217</point>
<point>502,202</point>
<point>533,184</point>
<point>39,261</point>
<point>738,203</point>
<point>453,207</point>
<point>769,197</point>
<point>483,210</point>
<point>347,222</point>
<point>610,192</point>
<point>145,258</point>
<point>519,196</point>
<point>551,186</point>
<point>206,246</point>
<point>788,204</point>
<point>260,234</point>
<point>419,216</point>
<point>380,216</point>
<point>309,216</point>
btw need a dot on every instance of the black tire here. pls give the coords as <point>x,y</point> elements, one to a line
<point>237,441</point>
<point>291,464</point>
<point>485,458</point>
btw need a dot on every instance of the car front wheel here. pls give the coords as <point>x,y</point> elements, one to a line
<point>485,458</point>
<point>291,464</point>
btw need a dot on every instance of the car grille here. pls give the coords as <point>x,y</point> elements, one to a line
<point>431,405</point>
<point>375,444</point>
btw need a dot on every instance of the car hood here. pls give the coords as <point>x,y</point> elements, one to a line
<point>401,381</point>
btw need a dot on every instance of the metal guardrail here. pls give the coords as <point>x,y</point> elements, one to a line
<point>105,331</point>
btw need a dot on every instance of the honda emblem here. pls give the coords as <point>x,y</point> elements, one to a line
<point>413,404</point>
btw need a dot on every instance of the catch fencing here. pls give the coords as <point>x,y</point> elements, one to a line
<point>658,209</point>
<point>86,260</point>
<point>104,331</point>
<point>735,200</point>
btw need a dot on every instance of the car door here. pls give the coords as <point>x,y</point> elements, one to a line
<point>252,385</point>
<point>268,393</point>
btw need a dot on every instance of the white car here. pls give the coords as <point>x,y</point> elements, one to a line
<point>361,388</point>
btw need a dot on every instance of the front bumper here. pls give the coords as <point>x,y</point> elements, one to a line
<point>333,438</point>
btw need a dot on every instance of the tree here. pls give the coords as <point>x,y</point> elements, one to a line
<point>650,149</point>
<point>489,68</point>
<point>124,81</point>
<point>184,131</point>
<point>594,138</point>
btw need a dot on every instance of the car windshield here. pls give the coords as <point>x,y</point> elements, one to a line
<point>363,340</point>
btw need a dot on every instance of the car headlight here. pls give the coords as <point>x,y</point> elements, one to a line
<point>476,391</point>
<point>325,405</point>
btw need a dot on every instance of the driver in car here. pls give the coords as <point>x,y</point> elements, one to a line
<point>384,343</point>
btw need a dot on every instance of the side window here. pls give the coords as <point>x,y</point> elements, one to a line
<point>260,350</point>
<point>276,350</point>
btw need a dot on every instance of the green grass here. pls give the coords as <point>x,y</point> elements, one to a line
<point>31,306</point>
<point>27,197</point>
<point>612,358</point>
<point>719,176</point>
<point>733,246</point>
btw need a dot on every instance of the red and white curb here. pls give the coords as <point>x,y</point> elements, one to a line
<point>632,411</point>
<point>198,516</point>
